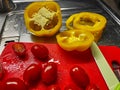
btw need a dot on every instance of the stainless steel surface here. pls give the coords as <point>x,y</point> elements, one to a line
<point>12,27</point>
<point>114,4</point>
<point>106,71</point>
<point>6,5</point>
<point>18,1</point>
<point>2,21</point>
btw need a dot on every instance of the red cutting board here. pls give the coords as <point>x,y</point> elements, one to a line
<point>15,66</point>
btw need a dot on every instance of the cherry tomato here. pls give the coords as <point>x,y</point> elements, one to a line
<point>14,84</point>
<point>32,74</point>
<point>19,49</point>
<point>72,87</point>
<point>1,71</point>
<point>79,76</point>
<point>92,87</point>
<point>40,51</point>
<point>49,73</point>
<point>53,87</point>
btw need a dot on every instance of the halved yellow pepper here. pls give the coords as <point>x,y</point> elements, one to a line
<point>93,22</point>
<point>78,40</point>
<point>43,18</point>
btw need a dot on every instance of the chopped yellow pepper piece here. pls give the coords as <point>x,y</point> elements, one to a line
<point>69,21</point>
<point>93,22</point>
<point>78,40</point>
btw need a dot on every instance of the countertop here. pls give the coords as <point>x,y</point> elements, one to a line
<point>114,5</point>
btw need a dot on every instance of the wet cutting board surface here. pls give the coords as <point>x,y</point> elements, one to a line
<point>15,66</point>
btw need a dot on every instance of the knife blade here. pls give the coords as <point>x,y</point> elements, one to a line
<point>111,80</point>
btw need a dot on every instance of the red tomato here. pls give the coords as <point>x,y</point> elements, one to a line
<point>49,73</point>
<point>1,71</point>
<point>19,49</point>
<point>40,51</point>
<point>79,76</point>
<point>92,87</point>
<point>32,74</point>
<point>72,87</point>
<point>54,87</point>
<point>14,84</point>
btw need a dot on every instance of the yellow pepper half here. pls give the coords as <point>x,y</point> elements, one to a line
<point>93,22</point>
<point>78,40</point>
<point>43,18</point>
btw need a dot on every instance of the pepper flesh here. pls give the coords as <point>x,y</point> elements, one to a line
<point>50,26</point>
<point>69,21</point>
<point>93,22</point>
<point>78,40</point>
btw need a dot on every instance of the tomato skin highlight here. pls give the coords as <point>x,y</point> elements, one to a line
<point>79,76</point>
<point>14,84</point>
<point>49,73</point>
<point>72,87</point>
<point>19,49</point>
<point>32,74</point>
<point>54,87</point>
<point>40,51</point>
<point>92,87</point>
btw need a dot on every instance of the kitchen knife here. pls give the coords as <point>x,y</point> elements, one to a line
<point>106,71</point>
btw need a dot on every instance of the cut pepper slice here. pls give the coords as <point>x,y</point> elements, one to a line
<point>93,22</point>
<point>78,40</point>
<point>43,18</point>
<point>69,21</point>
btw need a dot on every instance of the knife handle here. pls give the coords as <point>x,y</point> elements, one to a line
<point>117,87</point>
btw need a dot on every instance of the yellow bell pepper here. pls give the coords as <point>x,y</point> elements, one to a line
<point>69,21</point>
<point>93,22</point>
<point>43,18</point>
<point>78,40</point>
